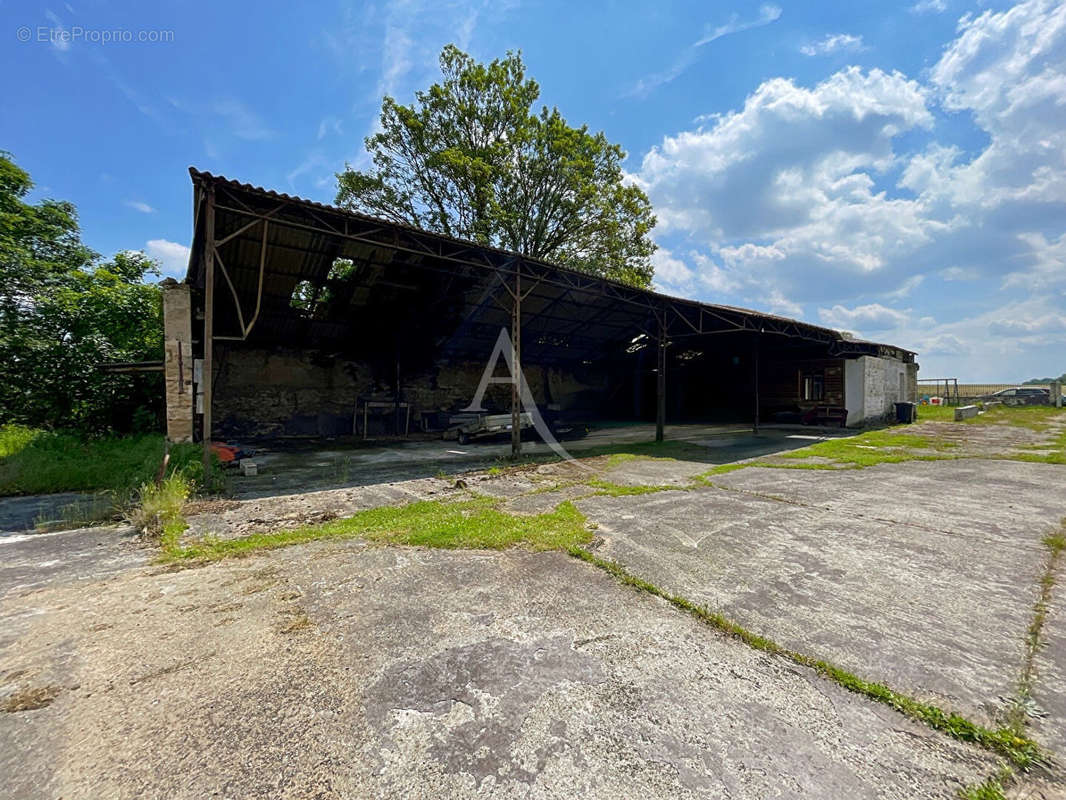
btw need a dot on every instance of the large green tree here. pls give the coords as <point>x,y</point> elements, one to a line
<point>472,159</point>
<point>63,312</point>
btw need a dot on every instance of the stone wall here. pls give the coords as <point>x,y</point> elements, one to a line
<point>274,392</point>
<point>178,360</point>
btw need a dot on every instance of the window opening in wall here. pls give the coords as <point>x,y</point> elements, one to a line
<point>814,387</point>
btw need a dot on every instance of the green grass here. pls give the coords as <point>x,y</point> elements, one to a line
<point>608,489</point>
<point>1034,417</point>
<point>92,510</point>
<point>469,524</point>
<point>158,511</point>
<point>678,449</point>
<point>994,788</point>
<point>40,462</point>
<point>875,447</point>
<point>1006,741</point>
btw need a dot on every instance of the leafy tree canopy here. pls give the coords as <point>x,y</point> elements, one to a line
<point>472,159</point>
<point>62,312</point>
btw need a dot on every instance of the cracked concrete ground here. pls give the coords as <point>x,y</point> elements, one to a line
<point>342,670</point>
<point>922,575</point>
<point>339,669</point>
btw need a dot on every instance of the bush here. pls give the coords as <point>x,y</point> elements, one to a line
<point>159,510</point>
<point>34,461</point>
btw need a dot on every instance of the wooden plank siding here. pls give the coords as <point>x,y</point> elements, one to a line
<point>781,384</point>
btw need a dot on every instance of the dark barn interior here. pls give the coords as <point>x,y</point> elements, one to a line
<point>311,310</point>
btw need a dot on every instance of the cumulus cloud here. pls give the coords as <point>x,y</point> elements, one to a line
<point>786,183</point>
<point>871,317</point>
<point>173,257</point>
<point>1047,324</point>
<point>833,43</point>
<point>671,274</point>
<point>848,195</point>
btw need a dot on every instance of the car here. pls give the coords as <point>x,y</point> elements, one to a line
<point>1022,396</point>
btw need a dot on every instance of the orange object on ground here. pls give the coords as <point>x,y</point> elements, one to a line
<point>226,453</point>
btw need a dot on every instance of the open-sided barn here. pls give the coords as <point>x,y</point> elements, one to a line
<point>294,316</point>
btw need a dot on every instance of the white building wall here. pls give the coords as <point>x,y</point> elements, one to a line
<point>872,387</point>
<point>854,390</point>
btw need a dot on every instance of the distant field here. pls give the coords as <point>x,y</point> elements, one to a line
<point>973,389</point>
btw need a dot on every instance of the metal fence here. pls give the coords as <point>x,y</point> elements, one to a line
<point>953,392</point>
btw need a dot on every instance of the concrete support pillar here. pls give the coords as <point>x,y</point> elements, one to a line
<point>1056,394</point>
<point>178,360</point>
<point>911,395</point>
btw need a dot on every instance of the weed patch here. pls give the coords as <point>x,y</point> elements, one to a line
<point>30,699</point>
<point>609,489</point>
<point>35,461</point>
<point>874,447</point>
<point>158,512</point>
<point>1055,543</point>
<point>993,788</point>
<point>466,524</point>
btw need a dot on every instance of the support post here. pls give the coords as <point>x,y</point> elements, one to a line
<point>209,322</point>
<point>516,360</point>
<point>660,382</point>
<point>755,380</point>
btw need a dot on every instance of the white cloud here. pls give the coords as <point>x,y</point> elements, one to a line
<point>672,275</point>
<point>781,305</point>
<point>767,13</point>
<point>241,121</point>
<point>173,258</point>
<point>138,205</point>
<point>927,6</point>
<point>329,126</point>
<point>834,43</point>
<point>871,317</point>
<point>811,192</point>
<point>688,56</point>
<point>1047,324</point>
<point>783,189</point>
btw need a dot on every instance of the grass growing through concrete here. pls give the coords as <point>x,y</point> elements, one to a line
<point>1036,418</point>
<point>993,788</point>
<point>1005,741</point>
<point>1055,544</point>
<point>158,511</point>
<point>468,524</point>
<point>875,447</point>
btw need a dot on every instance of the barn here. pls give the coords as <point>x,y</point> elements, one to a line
<point>298,319</point>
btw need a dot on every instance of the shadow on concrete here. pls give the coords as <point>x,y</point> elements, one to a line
<point>296,467</point>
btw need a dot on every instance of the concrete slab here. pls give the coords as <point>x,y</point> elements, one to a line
<point>33,561</point>
<point>1005,501</point>
<point>341,670</point>
<point>655,472</point>
<point>1048,718</point>
<point>934,604</point>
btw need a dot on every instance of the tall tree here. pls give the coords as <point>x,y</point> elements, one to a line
<point>471,159</point>
<point>63,312</point>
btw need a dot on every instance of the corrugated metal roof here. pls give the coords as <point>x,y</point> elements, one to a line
<point>298,252</point>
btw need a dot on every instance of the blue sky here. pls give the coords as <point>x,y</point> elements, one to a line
<point>894,170</point>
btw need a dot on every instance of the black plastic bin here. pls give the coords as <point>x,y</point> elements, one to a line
<point>906,412</point>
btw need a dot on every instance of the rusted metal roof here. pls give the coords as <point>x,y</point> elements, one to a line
<point>441,287</point>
